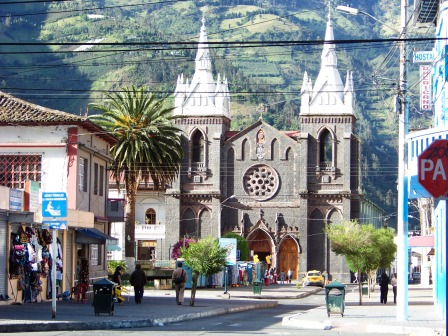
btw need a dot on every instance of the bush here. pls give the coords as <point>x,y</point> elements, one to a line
<point>113,264</point>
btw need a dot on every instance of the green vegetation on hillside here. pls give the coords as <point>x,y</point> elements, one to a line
<point>264,80</point>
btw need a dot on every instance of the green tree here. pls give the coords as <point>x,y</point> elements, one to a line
<point>204,257</point>
<point>241,244</point>
<point>364,247</point>
<point>148,147</point>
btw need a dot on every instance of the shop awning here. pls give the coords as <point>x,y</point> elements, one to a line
<point>421,241</point>
<point>94,236</point>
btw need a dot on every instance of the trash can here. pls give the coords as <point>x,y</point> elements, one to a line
<point>335,298</point>
<point>257,287</point>
<point>103,297</point>
<point>364,289</point>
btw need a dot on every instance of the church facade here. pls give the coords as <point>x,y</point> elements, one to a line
<point>278,189</point>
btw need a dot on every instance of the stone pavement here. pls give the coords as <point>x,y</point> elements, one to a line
<point>159,308</point>
<point>374,317</point>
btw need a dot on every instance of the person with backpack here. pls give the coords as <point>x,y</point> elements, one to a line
<point>138,281</point>
<point>179,278</point>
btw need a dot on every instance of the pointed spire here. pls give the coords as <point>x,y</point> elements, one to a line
<point>203,61</point>
<point>307,87</point>
<point>329,52</point>
<point>349,82</point>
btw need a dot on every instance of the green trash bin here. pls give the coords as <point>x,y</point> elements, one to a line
<point>103,297</point>
<point>335,298</point>
<point>257,287</point>
<point>364,289</point>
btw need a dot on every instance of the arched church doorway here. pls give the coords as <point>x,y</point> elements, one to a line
<point>260,243</point>
<point>288,256</point>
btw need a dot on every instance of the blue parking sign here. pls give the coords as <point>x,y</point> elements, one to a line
<point>54,204</point>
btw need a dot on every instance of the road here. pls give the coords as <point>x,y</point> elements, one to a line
<point>254,322</point>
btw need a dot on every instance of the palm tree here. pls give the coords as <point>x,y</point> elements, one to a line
<point>148,147</point>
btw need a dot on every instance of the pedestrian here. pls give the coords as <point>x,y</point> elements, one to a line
<point>394,282</point>
<point>356,278</point>
<point>266,277</point>
<point>289,275</point>
<point>384,287</point>
<point>138,280</point>
<point>117,279</point>
<point>282,277</point>
<point>117,275</point>
<point>179,278</point>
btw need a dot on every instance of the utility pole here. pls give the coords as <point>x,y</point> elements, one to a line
<point>402,217</point>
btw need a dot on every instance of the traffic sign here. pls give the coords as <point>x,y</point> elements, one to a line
<point>58,225</point>
<point>433,168</point>
<point>54,204</point>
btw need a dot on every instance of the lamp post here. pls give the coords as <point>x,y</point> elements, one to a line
<point>226,270</point>
<point>402,211</point>
<point>219,213</point>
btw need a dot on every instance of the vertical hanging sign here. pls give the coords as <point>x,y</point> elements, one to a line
<point>425,87</point>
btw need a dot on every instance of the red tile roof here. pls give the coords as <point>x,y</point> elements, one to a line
<point>15,111</point>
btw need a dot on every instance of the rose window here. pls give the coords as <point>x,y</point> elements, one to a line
<point>261,182</point>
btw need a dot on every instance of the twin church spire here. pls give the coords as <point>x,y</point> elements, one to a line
<point>329,94</point>
<point>203,96</point>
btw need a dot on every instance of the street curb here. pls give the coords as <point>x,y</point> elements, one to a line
<point>64,326</point>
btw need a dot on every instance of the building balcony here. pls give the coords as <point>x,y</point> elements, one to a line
<point>149,231</point>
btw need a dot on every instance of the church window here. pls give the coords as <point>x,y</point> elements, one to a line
<point>326,147</point>
<point>198,149</point>
<point>261,182</point>
<point>150,216</point>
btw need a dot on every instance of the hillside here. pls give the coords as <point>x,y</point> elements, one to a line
<point>150,43</point>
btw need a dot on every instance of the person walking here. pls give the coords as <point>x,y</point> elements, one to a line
<point>117,275</point>
<point>384,287</point>
<point>289,275</point>
<point>282,277</point>
<point>118,288</point>
<point>138,281</point>
<point>179,278</point>
<point>394,283</point>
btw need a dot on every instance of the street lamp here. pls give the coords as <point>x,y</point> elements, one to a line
<point>226,271</point>
<point>355,11</point>
<point>402,211</point>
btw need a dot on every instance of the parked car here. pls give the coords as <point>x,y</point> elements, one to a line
<point>313,278</point>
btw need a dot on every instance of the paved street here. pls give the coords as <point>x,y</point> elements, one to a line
<point>158,309</point>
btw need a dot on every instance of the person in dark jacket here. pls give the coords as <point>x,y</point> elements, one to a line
<point>117,275</point>
<point>384,288</point>
<point>138,281</point>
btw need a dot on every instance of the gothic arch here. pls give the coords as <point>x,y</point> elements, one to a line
<point>334,216</point>
<point>288,152</point>
<point>261,243</point>
<point>326,148</point>
<point>245,149</point>
<point>204,223</point>
<point>187,227</point>
<point>275,149</point>
<point>288,255</point>
<point>197,153</point>
<point>316,241</point>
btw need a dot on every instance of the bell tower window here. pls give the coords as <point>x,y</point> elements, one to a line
<point>325,150</point>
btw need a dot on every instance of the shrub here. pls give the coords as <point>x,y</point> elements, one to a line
<point>113,264</point>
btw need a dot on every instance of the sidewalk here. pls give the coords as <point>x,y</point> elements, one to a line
<point>159,308</point>
<point>374,317</point>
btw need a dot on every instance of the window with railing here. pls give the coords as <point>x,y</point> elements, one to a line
<point>16,169</point>
<point>150,216</point>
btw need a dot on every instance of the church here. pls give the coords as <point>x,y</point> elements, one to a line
<point>278,189</point>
